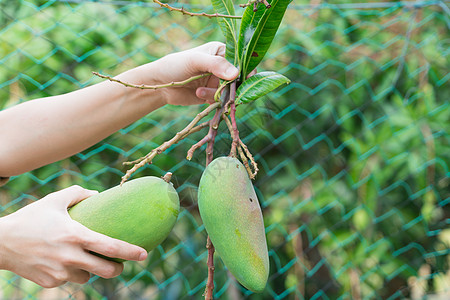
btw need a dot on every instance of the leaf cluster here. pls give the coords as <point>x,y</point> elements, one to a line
<point>247,44</point>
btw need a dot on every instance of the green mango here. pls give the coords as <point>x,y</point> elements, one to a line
<point>233,220</point>
<point>142,212</point>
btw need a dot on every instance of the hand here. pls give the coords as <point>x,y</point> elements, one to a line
<point>42,243</point>
<point>208,58</point>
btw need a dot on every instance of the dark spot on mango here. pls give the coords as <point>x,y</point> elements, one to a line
<point>174,211</point>
<point>251,200</point>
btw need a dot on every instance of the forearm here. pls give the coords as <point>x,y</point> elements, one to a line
<point>45,130</point>
<point>5,228</point>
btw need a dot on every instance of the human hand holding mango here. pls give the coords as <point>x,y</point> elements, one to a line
<point>42,243</point>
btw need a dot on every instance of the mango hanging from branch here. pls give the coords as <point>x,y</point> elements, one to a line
<point>233,220</point>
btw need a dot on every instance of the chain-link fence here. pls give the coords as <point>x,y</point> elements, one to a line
<point>353,154</point>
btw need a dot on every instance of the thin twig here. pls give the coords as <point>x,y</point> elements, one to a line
<point>255,4</point>
<point>152,87</point>
<point>218,92</point>
<point>252,159</point>
<point>210,262</point>
<point>210,136</point>
<point>235,133</point>
<point>179,136</point>
<point>192,14</point>
<point>197,145</point>
<point>196,129</point>
<point>244,159</point>
<point>213,133</point>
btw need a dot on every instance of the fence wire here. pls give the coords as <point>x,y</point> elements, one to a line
<point>353,154</point>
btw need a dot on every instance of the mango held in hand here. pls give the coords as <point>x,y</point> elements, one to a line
<point>142,212</point>
<point>232,217</point>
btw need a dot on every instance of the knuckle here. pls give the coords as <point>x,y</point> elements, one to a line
<point>112,270</point>
<point>68,260</point>
<point>70,236</point>
<point>60,276</point>
<point>112,250</point>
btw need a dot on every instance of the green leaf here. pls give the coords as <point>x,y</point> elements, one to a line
<point>259,29</point>
<point>249,22</point>
<point>258,85</point>
<point>228,27</point>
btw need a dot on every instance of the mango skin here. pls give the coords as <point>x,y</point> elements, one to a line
<point>233,219</point>
<point>142,212</point>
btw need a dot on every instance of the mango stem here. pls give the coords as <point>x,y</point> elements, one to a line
<point>244,152</point>
<point>210,262</point>
<point>167,177</point>
<point>235,131</point>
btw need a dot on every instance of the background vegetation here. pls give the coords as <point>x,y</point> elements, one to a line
<point>353,154</point>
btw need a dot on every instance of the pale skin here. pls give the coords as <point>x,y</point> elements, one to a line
<point>41,242</point>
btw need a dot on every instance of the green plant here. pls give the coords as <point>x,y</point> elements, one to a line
<point>246,46</point>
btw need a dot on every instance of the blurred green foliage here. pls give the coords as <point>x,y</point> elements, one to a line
<point>353,154</point>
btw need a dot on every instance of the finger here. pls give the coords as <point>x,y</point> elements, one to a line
<point>99,266</point>
<point>213,48</point>
<point>69,196</point>
<point>206,94</point>
<point>44,280</point>
<point>111,247</point>
<point>216,65</point>
<point>213,82</point>
<point>79,276</point>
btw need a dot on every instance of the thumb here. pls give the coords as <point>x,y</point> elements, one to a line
<point>214,64</point>
<point>69,196</point>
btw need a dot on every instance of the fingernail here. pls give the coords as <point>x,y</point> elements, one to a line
<point>143,256</point>
<point>231,72</point>
<point>201,94</point>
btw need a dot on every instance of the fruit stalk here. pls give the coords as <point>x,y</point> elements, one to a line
<point>235,132</point>
<point>210,263</point>
<point>243,152</point>
<point>213,125</point>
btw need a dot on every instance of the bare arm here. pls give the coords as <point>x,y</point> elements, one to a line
<point>45,130</point>
<point>41,131</point>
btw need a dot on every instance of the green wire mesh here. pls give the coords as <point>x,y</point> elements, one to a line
<point>353,154</point>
